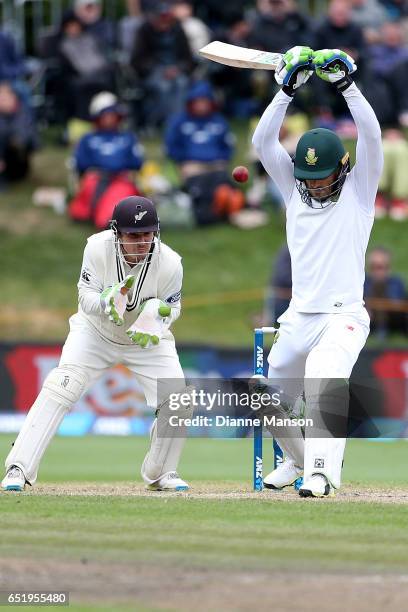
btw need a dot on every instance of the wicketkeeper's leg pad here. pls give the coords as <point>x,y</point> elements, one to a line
<point>61,389</point>
<point>168,435</point>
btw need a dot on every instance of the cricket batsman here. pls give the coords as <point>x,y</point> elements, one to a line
<point>329,216</point>
<point>129,295</point>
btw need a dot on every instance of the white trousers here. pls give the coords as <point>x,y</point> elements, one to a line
<point>93,355</point>
<point>316,346</point>
<point>85,356</point>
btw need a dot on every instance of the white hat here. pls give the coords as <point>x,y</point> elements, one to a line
<point>102,102</point>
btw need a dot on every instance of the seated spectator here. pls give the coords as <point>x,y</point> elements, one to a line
<point>337,31</point>
<point>198,34</point>
<point>380,284</point>
<point>11,61</point>
<point>392,196</point>
<point>163,61</point>
<point>17,135</point>
<point>370,15</point>
<point>200,142</point>
<point>85,69</point>
<point>389,52</point>
<point>278,25</point>
<point>89,13</point>
<point>280,290</point>
<point>220,16</point>
<point>103,159</point>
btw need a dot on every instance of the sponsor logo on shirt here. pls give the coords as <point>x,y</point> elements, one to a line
<point>350,327</point>
<point>173,299</point>
<point>86,276</point>
<point>319,463</point>
<point>338,304</point>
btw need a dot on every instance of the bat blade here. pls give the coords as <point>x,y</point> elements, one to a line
<point>240,57</point>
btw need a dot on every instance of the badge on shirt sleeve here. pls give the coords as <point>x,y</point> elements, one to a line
<point>86,275</point>
<point>173,299</point>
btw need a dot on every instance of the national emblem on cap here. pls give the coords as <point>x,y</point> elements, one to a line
<point>311,158</point>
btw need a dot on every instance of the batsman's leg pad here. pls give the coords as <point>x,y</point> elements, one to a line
<point>167,440</point>
<point>327,405</point>
<point>325,456</point>
<point>61,389</point>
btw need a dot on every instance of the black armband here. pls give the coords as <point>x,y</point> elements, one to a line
<point>288,90</point>
<point>344,83</point>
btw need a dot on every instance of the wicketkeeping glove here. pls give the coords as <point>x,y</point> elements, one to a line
<point>150,325</point>
<point>334,66</point>
<point>114,299</point>
<point>294,69</point>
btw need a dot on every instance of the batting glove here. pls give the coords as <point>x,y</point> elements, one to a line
<point>334,66</point>
<point>151,323</point>
<point>114,300</point>
<point>294,69</point>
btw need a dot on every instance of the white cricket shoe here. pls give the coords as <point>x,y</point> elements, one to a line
<point>285,474</point>
<point>169,482</point>
<point>316,486</point>
<point>14,480</point>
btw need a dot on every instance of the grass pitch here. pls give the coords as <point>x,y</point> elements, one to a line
<point>90,528</point>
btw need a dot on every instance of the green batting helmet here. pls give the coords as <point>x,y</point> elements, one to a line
<point>319,153</point>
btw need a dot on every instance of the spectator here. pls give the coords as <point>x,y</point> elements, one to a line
<point>90,14</point>
<point>387,64</point>
<point>200,142</point>
<point>280,290</point>
<point>163,61</point>
<point>17,135</point>
<point>392,197</point>
<point>380,284</point>
<point>337,31</point>
<point>390,50</point>
<point>103,159</point>
<point>278,25</point>
<point>370,15</point>
<point>220,16</point>
<point>197,32</point>
<point>85,69</point>
<point>11,62</point>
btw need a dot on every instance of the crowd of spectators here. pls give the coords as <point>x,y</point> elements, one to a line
<point>143,74</point>
<point>149,60</point>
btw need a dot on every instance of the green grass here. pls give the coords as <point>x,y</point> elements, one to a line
<point>38,299</point>
<point>199,536</point>
<point>109,459</point>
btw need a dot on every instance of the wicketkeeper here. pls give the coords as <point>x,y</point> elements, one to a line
<point>129,295</point>
<point>329,216</point>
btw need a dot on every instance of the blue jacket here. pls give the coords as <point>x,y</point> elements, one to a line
<point>11,62</point>
<point>394,288</point>
<point>204,139</point>
<point>115,151</point>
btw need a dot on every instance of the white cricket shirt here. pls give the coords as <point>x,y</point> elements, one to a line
<point>160,276</point>
<point>327,246</point>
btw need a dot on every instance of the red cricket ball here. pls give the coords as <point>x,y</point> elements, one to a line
<point>240,174</point>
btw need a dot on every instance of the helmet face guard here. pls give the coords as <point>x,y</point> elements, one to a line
<point>335,187</point>
<point>124,247</point>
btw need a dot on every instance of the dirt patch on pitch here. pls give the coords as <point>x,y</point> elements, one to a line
<point>223,491</point>
<point>170,588</point>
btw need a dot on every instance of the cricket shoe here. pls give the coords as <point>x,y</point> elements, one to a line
<point>14,480</point>
<point>169,482</point>
<point>316,486</point>
<point>285,474</point>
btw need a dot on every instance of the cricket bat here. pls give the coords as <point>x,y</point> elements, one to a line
<point>240,57</point>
